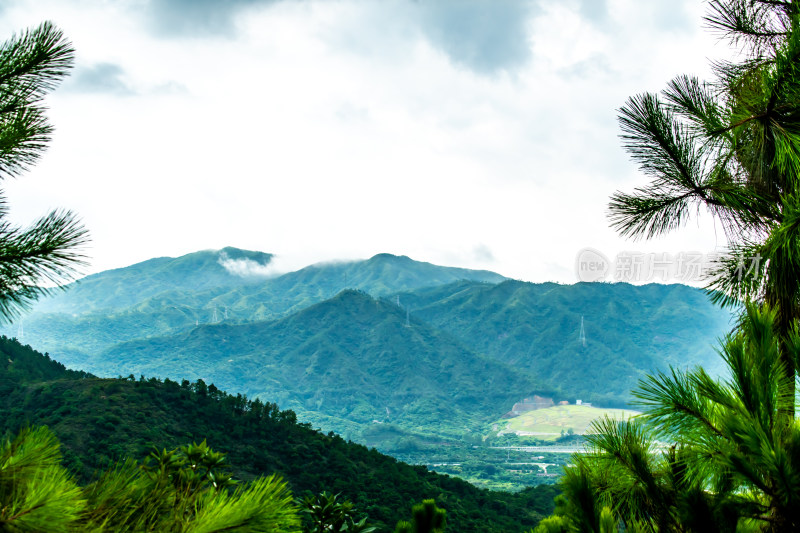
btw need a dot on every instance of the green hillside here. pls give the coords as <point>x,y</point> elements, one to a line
<point>20,364</point>
<point>352,358</point>
<point>550,423</point>
<point>630,330</point>
<point>169,295</point>
<point>103,420</point>
<point>121,288</point>
<point>475,346</point>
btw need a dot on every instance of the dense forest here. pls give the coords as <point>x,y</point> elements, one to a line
<point>102,421</point>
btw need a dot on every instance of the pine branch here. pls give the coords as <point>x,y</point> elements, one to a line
<point>35,260</point>
<point>36,61</point>
<point>31,65</point>
<point>758,25</point>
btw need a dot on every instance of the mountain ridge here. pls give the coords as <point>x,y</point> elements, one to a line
<point>352,356</point>
<point>535,328</point>
<point>275,330</point>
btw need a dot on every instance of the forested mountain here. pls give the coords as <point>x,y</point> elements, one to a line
<point>20,364</point>
<point>102,420</point>
<point>115,290</point>
<point>630,330</point>
<point>169,295</point>
<point>351,358</point>
<point>475,342</point>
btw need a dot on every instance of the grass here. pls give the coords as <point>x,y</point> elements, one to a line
<point>547,424</point>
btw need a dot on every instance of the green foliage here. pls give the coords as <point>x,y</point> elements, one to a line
<point>100,422</point>
<point>36,492</point>
<point>732,145</point>
<point>47,252</point>
<point>184,492</point>
<point>265,505</point>
<point>427,518</point>
<point>733,462</point>
<point>404,527</point>
<point>325,513</point>
<point>553,524</point>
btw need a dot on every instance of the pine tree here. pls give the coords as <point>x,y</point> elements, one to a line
<point>708,455</point>
<point>45,254</point>
<point>427,518</point>
<point>182,491</point>
<point>326,513</point>
<point>733,146</point>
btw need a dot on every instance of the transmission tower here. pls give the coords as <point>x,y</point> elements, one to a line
<point>582,335</point>
<point>214,318</point>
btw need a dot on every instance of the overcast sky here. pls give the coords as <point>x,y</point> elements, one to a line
<point>470,133</point>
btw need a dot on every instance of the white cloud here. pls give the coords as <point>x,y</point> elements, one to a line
<point>244,267</point>
<point>320,130</point>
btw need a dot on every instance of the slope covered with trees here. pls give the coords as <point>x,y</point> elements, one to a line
<point>100,421</point>
<point>169,295</point>
<point>534,328</point>
<point>352,358</point>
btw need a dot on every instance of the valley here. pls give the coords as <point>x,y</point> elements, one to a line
<point>417,360</point>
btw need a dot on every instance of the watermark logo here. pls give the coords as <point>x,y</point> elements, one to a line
<point>632,267</point>
<point>591,265</point>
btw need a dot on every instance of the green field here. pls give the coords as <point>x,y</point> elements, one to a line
<point>548,424</point>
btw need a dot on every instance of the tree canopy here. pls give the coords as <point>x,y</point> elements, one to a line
<point>714,454</point>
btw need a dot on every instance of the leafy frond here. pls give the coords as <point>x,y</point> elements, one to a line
<point>626,468</point>
<point>31,65</point>
<point>36,492</point>
<point>688,163</point>
<point>694,101</point>
<point>738,275</point>
<point>757,25</point>
<point>782,251</point>
<point>265,505</point>
<point>673,404</point>
<point>37,59</point>
<point>34,259</point>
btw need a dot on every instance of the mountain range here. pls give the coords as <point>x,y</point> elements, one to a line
<point>388,339</point>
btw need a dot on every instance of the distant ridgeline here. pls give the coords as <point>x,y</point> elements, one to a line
<point>101,421</point>
<point>428,348</point>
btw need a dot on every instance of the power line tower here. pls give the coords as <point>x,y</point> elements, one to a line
<point>214,318</point>
<point>582,335</point>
